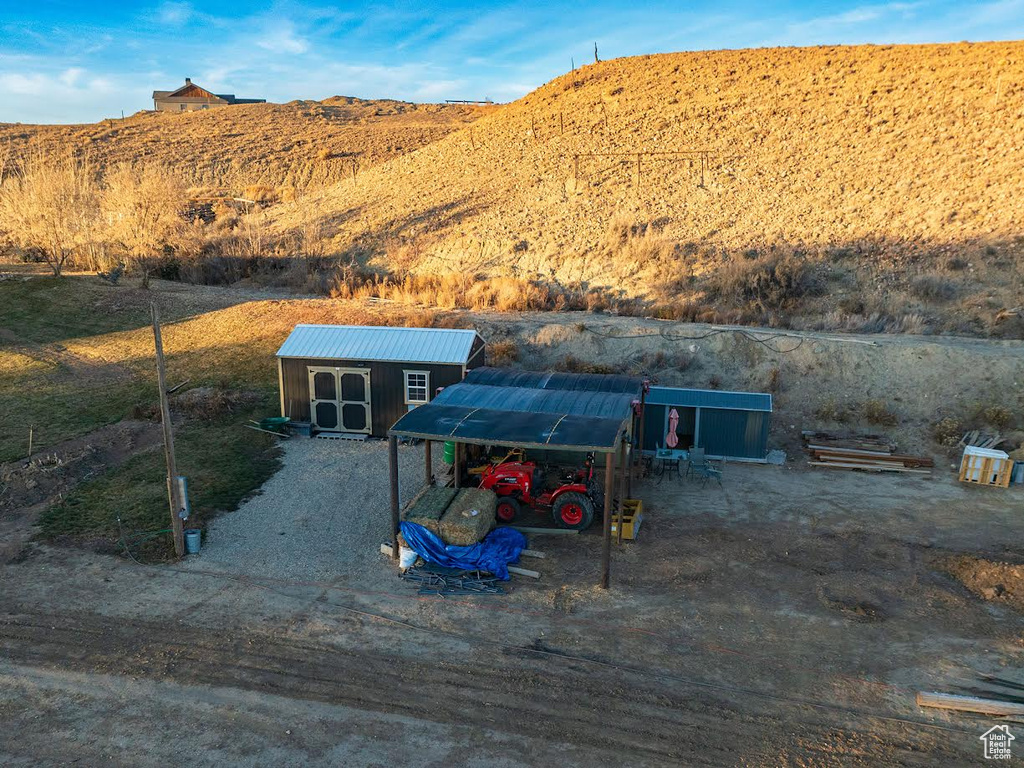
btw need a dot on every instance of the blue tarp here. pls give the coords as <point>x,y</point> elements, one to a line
<point>494,554</point>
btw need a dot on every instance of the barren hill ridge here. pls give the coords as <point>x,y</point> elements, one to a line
<point>301,143</point>
<point>894,154</point>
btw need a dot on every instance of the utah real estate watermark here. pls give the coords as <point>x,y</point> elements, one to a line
<point>997,741</point>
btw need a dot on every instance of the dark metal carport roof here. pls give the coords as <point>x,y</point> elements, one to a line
<point>583,412</point>
<point>576,382</point>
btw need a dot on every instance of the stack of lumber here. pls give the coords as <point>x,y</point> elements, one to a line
<point>868,452</point>
<point>979,439</point>
<point>994,696</point>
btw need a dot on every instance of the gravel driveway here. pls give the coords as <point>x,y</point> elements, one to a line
<point>322,517</point>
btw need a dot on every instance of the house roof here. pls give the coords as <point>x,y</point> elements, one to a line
<point>382,343</point>
<point>192,93</point>
<point>525,409</point>
<point>710,398</point>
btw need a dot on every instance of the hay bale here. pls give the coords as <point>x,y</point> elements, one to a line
<point>469,518</point>
<point>429,507</point>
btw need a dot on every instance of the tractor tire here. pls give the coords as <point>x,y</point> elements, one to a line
<point>508,509</point>
<point>573,511</point>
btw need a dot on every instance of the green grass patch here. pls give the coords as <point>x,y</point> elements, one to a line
<point>59,406</point>
<point>49,309</point>
<point>223,461</point>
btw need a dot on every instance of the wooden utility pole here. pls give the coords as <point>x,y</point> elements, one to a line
<point>175,502</point>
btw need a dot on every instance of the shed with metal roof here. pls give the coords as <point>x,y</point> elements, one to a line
<point>362,379</point>
<point>729,425</point>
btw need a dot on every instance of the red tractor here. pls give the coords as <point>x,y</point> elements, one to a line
<point>520,483</point>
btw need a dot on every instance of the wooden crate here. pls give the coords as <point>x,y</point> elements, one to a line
<point>984,466</point>
<point>634,509</point>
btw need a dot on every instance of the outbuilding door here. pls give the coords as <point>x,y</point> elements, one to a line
<point>339,399</point>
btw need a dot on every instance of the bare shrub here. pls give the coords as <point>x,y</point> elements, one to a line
<point>933,288</point>
<point>768,284</point>
<point>877,412</point>
<point>502,353</point>
<point>142,208</point>
<point>260,193</point>
<point>51,205</point>
<point>948,431</point>
<point>572,364</point>
<point>830,410</point>
<point>996,415</point>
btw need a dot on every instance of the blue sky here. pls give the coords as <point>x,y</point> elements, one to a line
<point>82,61</point>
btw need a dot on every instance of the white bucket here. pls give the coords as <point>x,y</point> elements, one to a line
<point>406,557</point>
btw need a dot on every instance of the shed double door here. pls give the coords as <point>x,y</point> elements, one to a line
<point>339,399</point>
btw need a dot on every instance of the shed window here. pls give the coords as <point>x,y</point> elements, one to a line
<point>417,385</point>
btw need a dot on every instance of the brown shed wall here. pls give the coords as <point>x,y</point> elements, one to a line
<point>387,386</point>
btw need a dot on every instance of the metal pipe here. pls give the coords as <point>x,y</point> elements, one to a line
<point>609,489</point>
<point>393,470</point>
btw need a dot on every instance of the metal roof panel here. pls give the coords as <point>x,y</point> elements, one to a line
<point>710,398</point>
<point>436,421</point>
<point>383,343</point>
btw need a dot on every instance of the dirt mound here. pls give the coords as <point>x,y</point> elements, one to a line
<point>877,183</point>
<point>300,144</point>
<point>208,403</point>
<point>990,580</point>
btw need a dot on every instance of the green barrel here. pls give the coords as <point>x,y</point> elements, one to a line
<point>449,452</point>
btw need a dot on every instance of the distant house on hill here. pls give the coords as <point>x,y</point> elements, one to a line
<point>191,97</point>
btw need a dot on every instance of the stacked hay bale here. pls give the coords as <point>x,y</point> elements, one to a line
<point>429,507</point>
<point>469,518</point>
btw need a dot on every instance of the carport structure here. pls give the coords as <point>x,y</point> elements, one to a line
<point>577,412</point>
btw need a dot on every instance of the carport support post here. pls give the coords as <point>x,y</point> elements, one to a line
<point>393,470</point>
<point>427,463</point>
<point>456,471</point>
<point>623,479</point>
<point>638,459</point>
<point>609,490</point>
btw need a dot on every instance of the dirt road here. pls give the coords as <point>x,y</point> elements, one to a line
<point>483,700</point>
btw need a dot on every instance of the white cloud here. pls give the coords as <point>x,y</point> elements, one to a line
<point>44,97</point>
<point>71,76</point>
<point>282,38</point>
<point>174,14</point>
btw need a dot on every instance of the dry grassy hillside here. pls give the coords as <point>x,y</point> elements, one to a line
<point>863,187</point>
<point>299,144</point>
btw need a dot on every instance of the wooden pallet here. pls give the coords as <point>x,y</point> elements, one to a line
<point>988,471</point>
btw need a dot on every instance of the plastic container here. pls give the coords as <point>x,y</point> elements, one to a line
<point>406,557</point>
<point>193,539</point>
<point>449,452</point>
